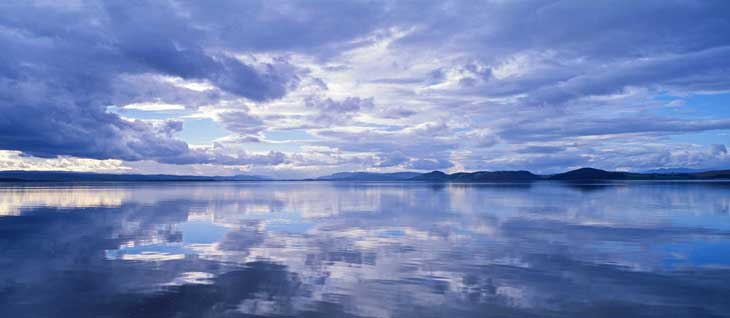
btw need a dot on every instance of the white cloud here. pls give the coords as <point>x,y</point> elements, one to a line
<point>153,106</point>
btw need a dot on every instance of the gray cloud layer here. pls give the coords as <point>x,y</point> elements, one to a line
<point>462,84</point>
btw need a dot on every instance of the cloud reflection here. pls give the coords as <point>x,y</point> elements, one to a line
<point>371,250</point>
<point>14,200</point>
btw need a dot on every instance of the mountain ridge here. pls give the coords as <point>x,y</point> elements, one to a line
<point>368,176</point>
<point>677,170</point>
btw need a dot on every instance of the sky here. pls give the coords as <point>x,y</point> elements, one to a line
<point>307,88</point>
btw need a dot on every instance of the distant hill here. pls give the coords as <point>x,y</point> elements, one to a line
<point>369,176</point>
<point>590,174</point>
<point>479,176</point>
<point>431,176</point>
<point>246,177</point>
<point>718,174</point>
<point>675,170</point>
<point>68,176</point>
<point>597,174</point>
<point>582,174</point>
<point>496,176</point>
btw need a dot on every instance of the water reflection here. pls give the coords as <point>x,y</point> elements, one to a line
<point>365,250</point>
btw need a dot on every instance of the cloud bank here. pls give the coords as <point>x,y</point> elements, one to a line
<point>307,88</point>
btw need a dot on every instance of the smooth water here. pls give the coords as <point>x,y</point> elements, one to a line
<point>365,250</point>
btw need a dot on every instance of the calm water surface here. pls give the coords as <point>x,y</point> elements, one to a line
<point>308,249</point>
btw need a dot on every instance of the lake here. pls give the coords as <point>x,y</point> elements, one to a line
<point>328,249</point>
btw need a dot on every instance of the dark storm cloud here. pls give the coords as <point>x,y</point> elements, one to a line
<point>63,64</point>
<point>44,120</point>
